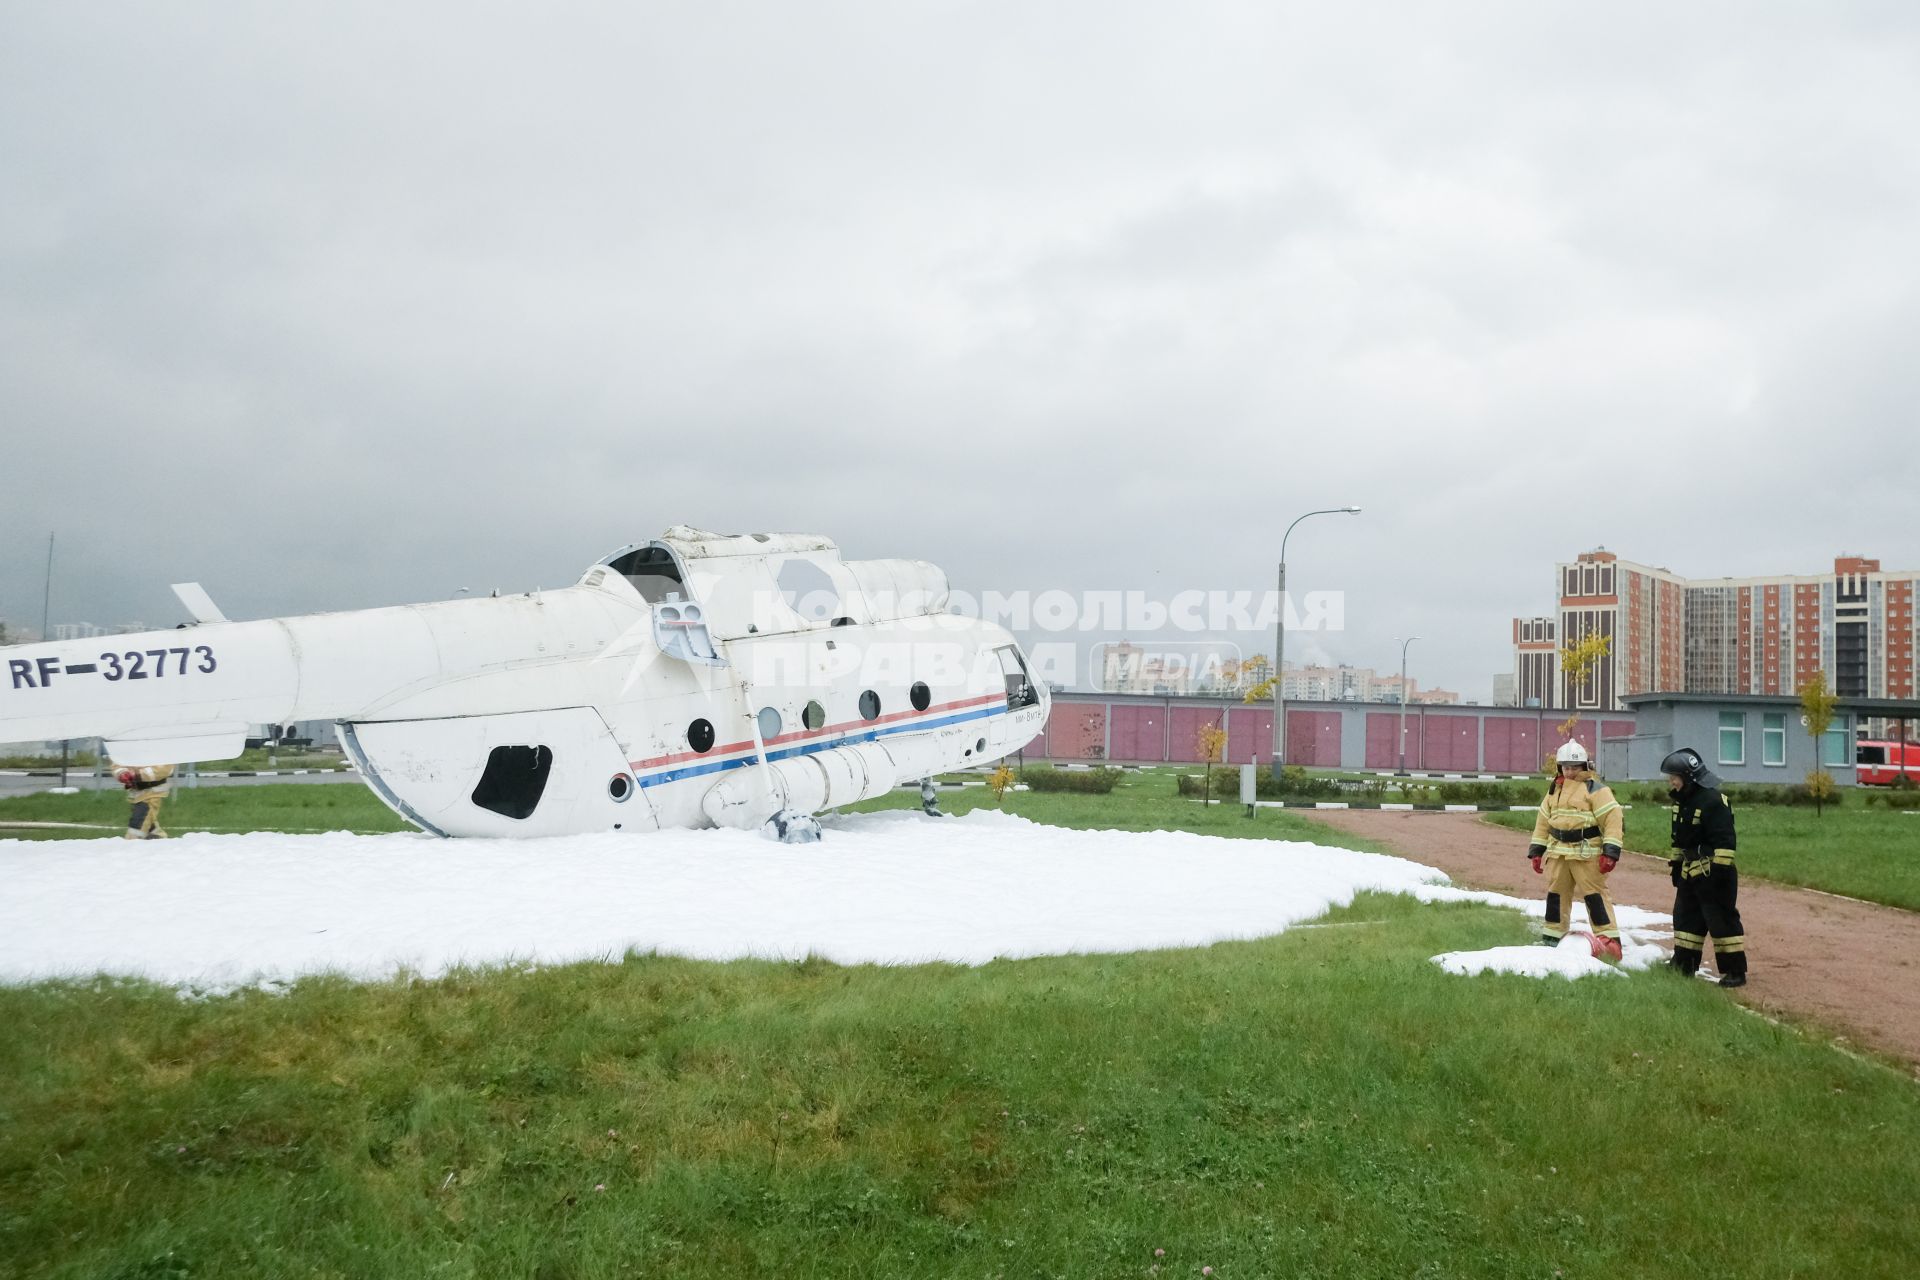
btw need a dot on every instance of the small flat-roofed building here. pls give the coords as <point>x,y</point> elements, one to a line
<point>1744,737</point>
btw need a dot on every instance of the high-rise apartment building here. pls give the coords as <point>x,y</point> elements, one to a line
<point>1721,635</point>
<point>1536,662</point>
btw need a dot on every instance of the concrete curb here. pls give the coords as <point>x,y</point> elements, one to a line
<point>1391,806</point>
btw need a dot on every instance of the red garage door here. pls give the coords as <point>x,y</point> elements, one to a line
<point>1383,739</point>
<point>1513,745</point>
<point>1250,735</point>
<point>1313,738</point>
<point>1187,723</point>
<point>1139,733</point>
<point>1077,731</point>
<point>1450,743</point>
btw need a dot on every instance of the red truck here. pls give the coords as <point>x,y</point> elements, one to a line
<point>1877,764</point>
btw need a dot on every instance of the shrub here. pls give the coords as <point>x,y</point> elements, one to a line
<point>1798,795</point>
<point>1820,789</point>
<point>1226,784</point>
<point>1097,781</point>
<point>1294,784</point>
<point>1495,793</point>
<point>1296,781</point>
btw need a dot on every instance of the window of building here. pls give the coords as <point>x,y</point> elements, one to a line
<point>1773,738</point>
<point>1733,737</point>
<point>1833,746</point>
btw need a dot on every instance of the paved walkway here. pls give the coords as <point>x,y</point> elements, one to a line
<point>1853,967</point>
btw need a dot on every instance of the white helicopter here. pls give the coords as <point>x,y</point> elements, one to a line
<point>696,680</point>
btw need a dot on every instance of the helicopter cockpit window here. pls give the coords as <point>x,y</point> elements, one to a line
<point>514,780</point>
<point>1013,668</point>
<point>652,571</point>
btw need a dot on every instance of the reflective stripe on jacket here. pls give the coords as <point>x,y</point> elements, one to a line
<point>1703,824</point>
<point>1579,818</point>
<point>151,780</point>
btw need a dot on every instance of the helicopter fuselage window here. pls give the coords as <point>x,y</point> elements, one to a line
<point>514,780</point>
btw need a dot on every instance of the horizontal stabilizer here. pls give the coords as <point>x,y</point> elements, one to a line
<point>187,744</point>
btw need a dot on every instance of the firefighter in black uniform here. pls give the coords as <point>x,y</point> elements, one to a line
<point>1706,882</point>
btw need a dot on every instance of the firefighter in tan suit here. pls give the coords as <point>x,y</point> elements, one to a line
<point>146,789</point>
<point>1578,834</point>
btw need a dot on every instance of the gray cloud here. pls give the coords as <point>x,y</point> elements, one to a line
<point>332,306</point>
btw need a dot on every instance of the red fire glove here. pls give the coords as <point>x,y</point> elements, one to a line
<point>1608,861</point>
<point>1534,853</point>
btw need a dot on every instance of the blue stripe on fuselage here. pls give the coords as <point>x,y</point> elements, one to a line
<point>808,748</point>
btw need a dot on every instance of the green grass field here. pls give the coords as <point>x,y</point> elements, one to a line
<point>81,760</point>
<point>1323,1103</point>
<point>1864,853</point>
<point>254,760</point>
<point>1141,802</point>
<point>260,758</point>
<point>334,806</point>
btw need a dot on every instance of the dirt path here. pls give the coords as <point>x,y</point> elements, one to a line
<point>1852,966</point>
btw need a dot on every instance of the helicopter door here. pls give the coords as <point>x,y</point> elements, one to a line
<point>1019,688</point>
<point>1019,682</point>
<point>526,773</point>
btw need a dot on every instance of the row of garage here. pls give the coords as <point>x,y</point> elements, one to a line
<point>1141,730</point>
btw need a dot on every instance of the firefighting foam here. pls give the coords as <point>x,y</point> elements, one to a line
<point>210,912</point>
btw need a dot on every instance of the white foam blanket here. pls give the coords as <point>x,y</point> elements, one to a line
<point>211,913</point>
<point>1572,958</point>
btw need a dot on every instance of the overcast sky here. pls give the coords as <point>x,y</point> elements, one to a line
<point>329,306</point>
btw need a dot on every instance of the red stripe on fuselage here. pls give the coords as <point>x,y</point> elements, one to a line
<point>801,736</point>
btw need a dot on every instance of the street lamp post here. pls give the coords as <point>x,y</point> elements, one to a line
<point>1280,643</point>
<point>1403,705</point>
<point>46,634</point>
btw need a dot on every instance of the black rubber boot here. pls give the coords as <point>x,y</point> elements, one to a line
<point>1734,980</point>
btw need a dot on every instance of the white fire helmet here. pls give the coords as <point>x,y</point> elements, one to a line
<point>1571,752</point>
